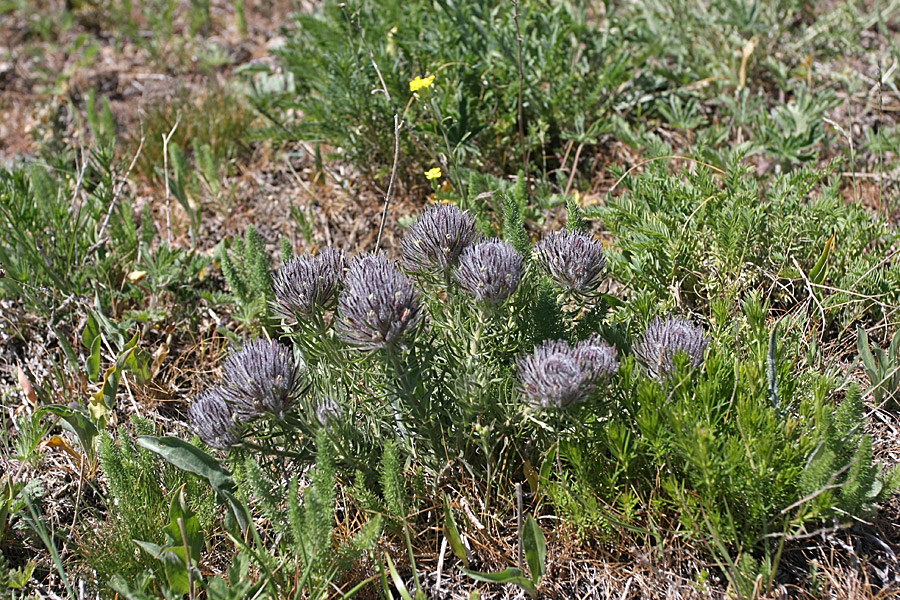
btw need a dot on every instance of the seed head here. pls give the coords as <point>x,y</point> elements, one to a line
<point>308,283</point>
<point>664,339</point>
<point>211,418</point>
<point>558,375</point>
<point>378,306</point>
<point>261,379</point>
<point>490,270</point>
<point>574,260</point>
<point>437,239</point>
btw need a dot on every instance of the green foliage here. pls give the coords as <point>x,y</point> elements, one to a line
<point>247,270</point>
<point>572,68</point>
<point>141,491</point>
<point>211,130</point>
<point>884,374</point>
<point>690,239</point>
<point>305,522</point>
<point>840,473</point>
<point>514,206</point>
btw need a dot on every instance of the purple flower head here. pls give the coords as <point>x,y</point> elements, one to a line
<point>211,419</point>
<point>599,356</point>
<point>261,379</point>
<point>308,283</point>
<point>664,339</point>
<point>435,242</point>
<point>574,260</point>
<point>490,271</point>
<point>378,306</point>
<point>558,375</point>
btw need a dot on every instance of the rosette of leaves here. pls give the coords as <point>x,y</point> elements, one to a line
<point>666,338</point>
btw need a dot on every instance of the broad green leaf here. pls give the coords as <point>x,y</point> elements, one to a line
<point>78,422</point>
<point>179,509</point>
<point>189,458</point>
<point>91,332</point>
<point>535,549</point>
<point>102,402</point>
<point>452,533</point>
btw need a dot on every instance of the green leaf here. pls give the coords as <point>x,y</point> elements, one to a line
<point>510,575</point>
<point>820,269</point>
<point>398,581</point>
<point>190,458</point>
<point>452,533</point>
<point>91,332</point>
<point>535,549</point>
<point>865,354</point>
<point>102,402</point>
<point>192,532</point>
<point>78,422</point>
<point>93,361</point>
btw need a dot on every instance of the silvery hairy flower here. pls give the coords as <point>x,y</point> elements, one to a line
<point>436,240</point>
<point>308,283</point>
<point>599,356</point>
<point>261,379</point>
<point>379,305</point>
<point>211,418</point>
<point>664,339</point>
<point>574,260</point>
<point>490,270</point>
<point>558,374</point>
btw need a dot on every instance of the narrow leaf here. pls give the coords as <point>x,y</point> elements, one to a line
<point>451,531</point>
<point>535,549</point>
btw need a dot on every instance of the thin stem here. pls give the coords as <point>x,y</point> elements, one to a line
<point>387,196</point>
<point>521,86</point>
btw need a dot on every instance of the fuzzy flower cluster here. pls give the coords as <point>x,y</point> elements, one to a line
<point>490,271</point>
<point>664,339</point>
<point>558,374</point>
<point>306,284</point>
<point>262,379</point>
<point>574,260</point>
<point>435,242</point>
<point>379,306</point>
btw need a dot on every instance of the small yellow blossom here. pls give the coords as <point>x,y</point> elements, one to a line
<point>418,83</point>
<point>434,173</point>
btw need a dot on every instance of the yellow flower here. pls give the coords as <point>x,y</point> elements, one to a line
<point>418,83</point>
<point>434,173</point>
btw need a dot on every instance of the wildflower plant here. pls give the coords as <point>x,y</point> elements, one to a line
<point>466,351</point>
<point>379,307</point>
